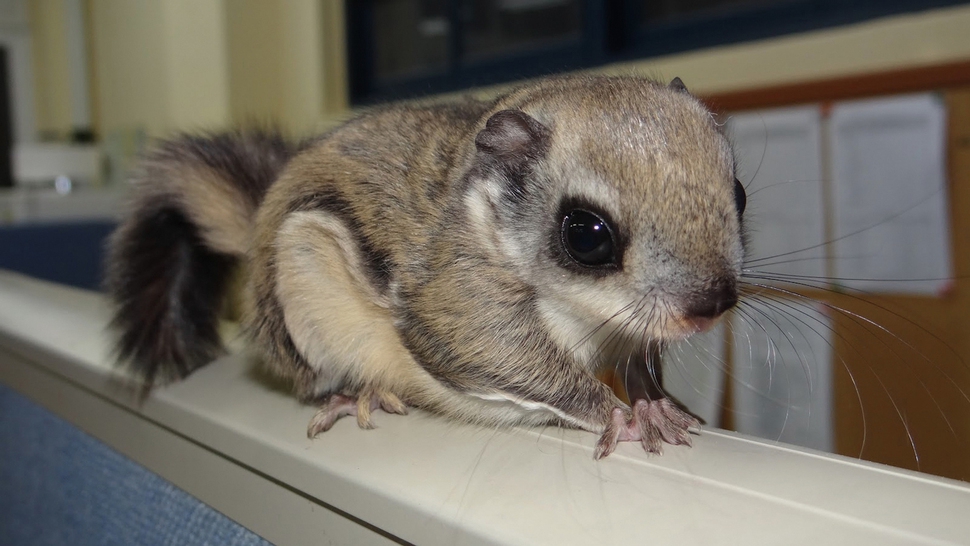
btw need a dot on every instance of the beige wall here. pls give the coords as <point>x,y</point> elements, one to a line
<point>127,49</point>
<point>52,98</point>
<point>196,69</point>
<point>166,64</point>
<point>334,44</point>
<point>254,66</point>
<point>286,62</point>
<point>161,65</point>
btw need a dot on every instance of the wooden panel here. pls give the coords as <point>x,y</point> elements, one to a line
<point>911,380</point>
<point>900,372</point>
<point>900,386</point>
<point>865,85</point>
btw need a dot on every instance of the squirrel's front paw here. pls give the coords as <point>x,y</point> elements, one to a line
<point>338,405</point>
<point>651,422</point>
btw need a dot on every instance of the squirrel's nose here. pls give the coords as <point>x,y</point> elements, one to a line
<point>712,301</point>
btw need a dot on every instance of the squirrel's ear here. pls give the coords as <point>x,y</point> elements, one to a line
<point>512,137</point>
<point>678,85</point>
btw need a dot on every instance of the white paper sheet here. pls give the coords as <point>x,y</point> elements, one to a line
<point>782,371</point>
<point>890,200</point>
<point>780,166</point>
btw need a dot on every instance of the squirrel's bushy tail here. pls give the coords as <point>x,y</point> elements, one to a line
<point>171,259</point>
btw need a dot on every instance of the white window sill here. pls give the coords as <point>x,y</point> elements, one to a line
<point>240,445</point>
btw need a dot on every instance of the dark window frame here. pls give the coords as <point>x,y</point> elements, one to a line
<point>611,32</point>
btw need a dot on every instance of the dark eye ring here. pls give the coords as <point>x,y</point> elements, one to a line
<point>588,238</point>
<point>740,197</point>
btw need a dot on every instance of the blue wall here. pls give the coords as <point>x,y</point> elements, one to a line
<point>68,253</point>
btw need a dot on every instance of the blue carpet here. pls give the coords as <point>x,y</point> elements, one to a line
<point>59,486</point>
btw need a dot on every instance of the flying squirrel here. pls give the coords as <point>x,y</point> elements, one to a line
<point>482,260</point>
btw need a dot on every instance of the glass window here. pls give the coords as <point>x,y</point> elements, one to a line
<point>410,38</point>
<point>498,27</point>
<point>654,11</point>
<point>406,48</point>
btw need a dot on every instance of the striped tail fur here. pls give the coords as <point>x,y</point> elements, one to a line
<point>171,258</point>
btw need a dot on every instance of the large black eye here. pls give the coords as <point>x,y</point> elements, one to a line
<point>588,238</point>
<point>740,198</point>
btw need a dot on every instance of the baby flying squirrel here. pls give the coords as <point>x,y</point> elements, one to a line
<point>481,260</point>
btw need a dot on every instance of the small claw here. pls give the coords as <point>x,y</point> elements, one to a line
<point>371,400</point>
<point>618,424</point>
<point>339,405</point>
<point>390,403</point>
<point>334,408</point>
<point>663,420</point>
<point>650,437</point>
<point>364,404</point>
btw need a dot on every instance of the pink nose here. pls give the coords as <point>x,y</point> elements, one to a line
<point>701,324</point>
